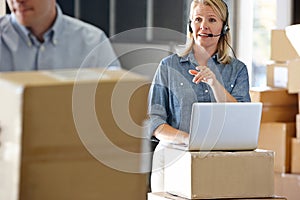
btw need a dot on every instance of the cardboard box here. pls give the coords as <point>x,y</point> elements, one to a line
<point>277,75</point>
<point>299,101</point>
<point>284,75</point>
<point>271,96</point>
<point>277,137</point>
<point>298,126</point>
<point>207,175</point>
<point>83,178</point>
<point>287,185</point>
<point>278,104</point>
<point>71,134</point>
<point>295,161</point>
<point>167,196</point>
<point>292,32</point>
<point>281,47</point>
<point>279,114</point>
<point>293,76</point>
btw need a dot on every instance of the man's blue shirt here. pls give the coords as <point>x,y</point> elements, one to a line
<point>69,43</point>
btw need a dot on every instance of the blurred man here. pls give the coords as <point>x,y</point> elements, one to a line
<point>38,36</point>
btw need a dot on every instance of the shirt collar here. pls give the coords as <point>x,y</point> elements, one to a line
<point>22,30</point>
<point>57,26</point>
<point>50,35</point>
<point>191,58</point>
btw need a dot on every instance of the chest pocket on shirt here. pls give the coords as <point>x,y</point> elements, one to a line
<point>185,95</point>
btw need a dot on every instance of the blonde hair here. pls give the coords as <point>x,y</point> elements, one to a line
<point>221,10</point>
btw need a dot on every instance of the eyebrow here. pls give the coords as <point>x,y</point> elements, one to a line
<point>212,15</point>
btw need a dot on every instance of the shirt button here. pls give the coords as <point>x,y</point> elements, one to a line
<point>181,84</point>
<point>231,85</point>
<point>42,48</point>
<point>206,91</point>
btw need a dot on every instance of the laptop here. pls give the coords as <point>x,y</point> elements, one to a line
<point>224,126</point>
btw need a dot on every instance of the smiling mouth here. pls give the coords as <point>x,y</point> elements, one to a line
<point>205,35</point>
<point>22,9</point>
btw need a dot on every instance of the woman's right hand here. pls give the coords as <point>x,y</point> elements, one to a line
<point>169,134</point>
<point>203,74</point>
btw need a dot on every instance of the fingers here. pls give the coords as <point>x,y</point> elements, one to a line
<point>203,75</point>
<point>193,72</point>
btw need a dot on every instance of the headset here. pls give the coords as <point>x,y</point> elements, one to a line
<point>225,28</point>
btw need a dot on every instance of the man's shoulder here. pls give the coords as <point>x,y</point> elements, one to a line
<point>78,24</point>
<point>4,21</point>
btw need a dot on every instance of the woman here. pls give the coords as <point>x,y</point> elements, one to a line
<point>202,72</point>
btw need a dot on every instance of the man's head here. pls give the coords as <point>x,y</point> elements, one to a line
<point>34,14</point>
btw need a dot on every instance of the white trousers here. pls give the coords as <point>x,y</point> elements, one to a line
<point>158,169</point>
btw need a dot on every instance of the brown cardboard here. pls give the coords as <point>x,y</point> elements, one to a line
<point>167,196</point>
<point>293,76</point>
<point>284,75</point>
<point>67,138</point>
<point>287,185</point>
<point>277,75</point>
<point>278,104</point>
<point>277,137</point>
<point>84,178</point>
<point>279,113</point>
<point>291,32</point>
<point>281,48</point>
<point>271,96</point>
<point>299,101</point>
<point>295,161</point>
<point>298,126</point>
<point>207,175</point>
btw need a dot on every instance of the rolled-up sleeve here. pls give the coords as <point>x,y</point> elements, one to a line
<point>158,99</point>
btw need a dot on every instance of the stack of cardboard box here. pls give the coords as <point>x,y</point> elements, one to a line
<point>284,70</point>
<point>217,175</point>
<point>71,134</point>
<point>280,111</point>
<point>295,160</point>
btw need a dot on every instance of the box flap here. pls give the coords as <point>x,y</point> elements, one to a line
<point>68,76</point>
<point>292,33</point>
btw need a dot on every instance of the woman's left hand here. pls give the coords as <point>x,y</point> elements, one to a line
<point>203,74</point>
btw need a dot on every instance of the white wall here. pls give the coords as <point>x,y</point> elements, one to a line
<point>284,13</point>
<point>2,7</point>
<point>244,29</point>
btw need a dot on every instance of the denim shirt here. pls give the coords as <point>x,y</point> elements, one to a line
<point>69,43</point>
<point>172,92</point>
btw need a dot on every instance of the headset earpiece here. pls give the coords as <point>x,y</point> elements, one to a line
<point>226,28</point>
<point>190,27</point>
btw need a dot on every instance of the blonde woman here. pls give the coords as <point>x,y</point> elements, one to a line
<point>203,71</point>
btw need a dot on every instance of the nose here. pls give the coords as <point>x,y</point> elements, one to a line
<point>203,25</point>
